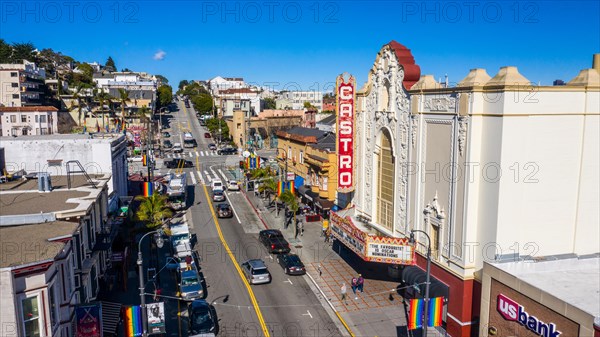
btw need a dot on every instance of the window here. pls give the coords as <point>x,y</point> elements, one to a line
<point>15,96</point>
<point>53,307</point>
<point>31,316</point>
<point>25,131</point>
<point>14,85</point>
<point>13,132</point>
<point>325,184</point>
<point>23,118</point>
<point>13,118</point>
<point>385,190</point>
<point>36,118</point>
<point>289,155</point>
<point>301,157</point>
<point>43,118</point>
<point>44,131</point>
<point>14,74</point>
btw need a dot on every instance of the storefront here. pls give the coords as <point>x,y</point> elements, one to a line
<point>555,298</point>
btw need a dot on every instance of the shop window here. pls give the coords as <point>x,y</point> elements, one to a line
<point>14,85</point>
<point>31,316</point>
<point>385,189</point>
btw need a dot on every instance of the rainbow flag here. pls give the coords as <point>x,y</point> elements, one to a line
<point>291,187</point>
<point>257,162</point>
<point>436,309</point>
<point>147,189</point>
<point>133,321</point>
<point>280,188</point>
<point>144,160</point>
<point>415,314</point>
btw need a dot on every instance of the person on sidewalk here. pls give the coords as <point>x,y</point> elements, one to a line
<point>157,293</point>
<point>360,282</point>
<point>354,284</point>
<point>300,228</point>
<point>344,290</point>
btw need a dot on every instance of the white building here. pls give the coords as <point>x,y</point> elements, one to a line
<point>54,253</point>
<point>21,84</point>
<point>491,169</point>
<point>240,95</point>
<point>100,154</point>
<point>298,98</point>
<point>30,120</point>
<point>219,83</point>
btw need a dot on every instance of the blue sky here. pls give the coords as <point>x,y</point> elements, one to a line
<point>304,45</point>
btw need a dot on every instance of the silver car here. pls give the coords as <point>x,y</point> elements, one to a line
<point>256,271</point>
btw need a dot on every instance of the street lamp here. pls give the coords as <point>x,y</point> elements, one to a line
<point>427,281</point>
<point>140,262</point>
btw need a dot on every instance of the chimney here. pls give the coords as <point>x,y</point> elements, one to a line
<point>596,62</point>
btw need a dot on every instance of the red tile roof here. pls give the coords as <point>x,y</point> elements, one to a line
<point>27,108</point>
<point>237,91</point>
<point>412,71</point>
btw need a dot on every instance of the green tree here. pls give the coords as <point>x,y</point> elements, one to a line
<point>142,114</point>
<point>308,106</point>
<point>153,210</point>
<point>268,187</point>
<point>202,103</point>
<point>289,199</point>
<point>269,103</point>
<point>23,51</point>
<point>182,84</point>
<point>123,99</point>
<point>5,52</point>
<point>163,79</point>
<point>165,95</point>
<point>78,102</point>
<point>103,98</point>
<point>110,64</point>
<point>212,124</point>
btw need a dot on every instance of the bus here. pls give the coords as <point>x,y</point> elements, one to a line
<point>177,191</point>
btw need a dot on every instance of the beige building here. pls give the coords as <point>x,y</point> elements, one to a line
<point>261,130</point>
<point>27,121</point>
<point>21,84</point>
<point>491,169</point>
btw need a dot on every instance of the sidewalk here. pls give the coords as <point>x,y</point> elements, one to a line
<point>372,313</point>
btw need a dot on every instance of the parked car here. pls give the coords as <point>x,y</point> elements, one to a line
<point>206,135</point>
<point>274,241</point>
<point>233,185</point>
<point>189,143</point>
<point>178,162</point>
<point>218,195</point>
<point>291,264</point>
<point>203,319</point>
<point>256,271</point>
<point>224,210</point>
<point>166,135</point>
<point>227,151</point>
<point>136,159</point>
<point>167,144</point>
<point>177,148</point>
<point>212,146</point>
<point>190,284</point>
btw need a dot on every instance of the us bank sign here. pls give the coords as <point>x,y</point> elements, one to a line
<point>345,106</point>
<point>513,311</point>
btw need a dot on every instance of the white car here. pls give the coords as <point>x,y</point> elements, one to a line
<point>188,135</point>
<point>216,184</point>
<point>177,148</point>
<point>233,185</point>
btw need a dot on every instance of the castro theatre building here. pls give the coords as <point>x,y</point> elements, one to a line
<point>491,168</point>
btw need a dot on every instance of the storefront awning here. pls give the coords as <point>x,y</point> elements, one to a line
<point>298,181</point>
<point>413,275</point>
<point>312,196</point>
<point>324,204</point>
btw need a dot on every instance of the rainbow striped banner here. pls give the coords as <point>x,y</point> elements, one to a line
<point>148,188</point>
<point>436,309</point>
<point>282,186</point>
<point>415,313</point>
<point>291,187</point>
<point>133,321</point>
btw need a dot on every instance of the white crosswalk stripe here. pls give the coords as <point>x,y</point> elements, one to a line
<point>194,182</point>
<point>202,153</point>
<point>200,176</point>
<point>197,155</point>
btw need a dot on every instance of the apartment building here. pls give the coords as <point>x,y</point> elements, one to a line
<point>21,84</point>
<point>29,120</point>
<point>296,99</point>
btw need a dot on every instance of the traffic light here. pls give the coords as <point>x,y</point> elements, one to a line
<point>242,164</point>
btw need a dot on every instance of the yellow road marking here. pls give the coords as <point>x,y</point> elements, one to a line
<point>238,268</point>
<point>344,323</point>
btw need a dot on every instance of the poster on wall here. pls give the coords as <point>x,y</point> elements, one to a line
<point>156,317</point>
<point>345,109</point>
<point>88,320</point>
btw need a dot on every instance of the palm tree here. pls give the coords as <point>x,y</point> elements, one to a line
<point>289,199</point>
<point>103,98</point>
<point>78,97</point>
<point>123,99</point>
<point>153,210</point>
<point>268,187</point>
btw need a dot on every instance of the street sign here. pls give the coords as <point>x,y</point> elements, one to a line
<point>290,176</point>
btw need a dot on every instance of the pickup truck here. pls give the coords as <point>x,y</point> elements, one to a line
<point>274,241</point>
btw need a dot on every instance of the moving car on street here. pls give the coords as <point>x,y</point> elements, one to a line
<point>166,135</point>
<point>212,147</point>
<point>233,185</point>
<point>179,162</point>
<point>216,184</point>
<point>189,143</point>
<point>218,195</point>
<point>256,271</point>
<point>274,241</point>
<point>167,144</point>
<point>227,151</point>
<point>224,210</point>
<point>190,285</point>
<point>291,264</point>
<point>177,148</point>
<point>203,319</point>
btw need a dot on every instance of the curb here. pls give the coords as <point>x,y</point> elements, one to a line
<point>255,210</point>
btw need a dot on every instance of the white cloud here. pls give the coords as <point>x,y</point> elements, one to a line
<point>160,55</point>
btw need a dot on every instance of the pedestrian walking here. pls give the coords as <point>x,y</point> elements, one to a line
<point>188,262</point>
<point>157,293</point>
<point>360,282</point>
<point>354,284</point>
<point>343,290</point>
<point>301,228</point>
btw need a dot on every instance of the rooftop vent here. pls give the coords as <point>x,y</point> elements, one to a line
<point>44,182</point>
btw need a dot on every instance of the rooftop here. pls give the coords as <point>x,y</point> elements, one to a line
<point>329,120</point>
<point>28,108</point>
<point>30,243</point>
<point>556,278</point>
<point>98,138</point>
<point>326,143</point>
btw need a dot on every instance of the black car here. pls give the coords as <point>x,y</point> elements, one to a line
<point>167,144</point>
<point>175,163</point>
<point>212,146</point>
<point>203,319</point>
<point>291,264</point>
<point>227,150</point>
<point>224,210</point>
<point>188,143</point>
<point>274,241</point>
<point>166,134</point>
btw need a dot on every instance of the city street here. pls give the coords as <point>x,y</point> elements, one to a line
<point>288,305</point>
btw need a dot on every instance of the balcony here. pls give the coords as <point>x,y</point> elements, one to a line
<point>30,89</point>
<point>27,78</point>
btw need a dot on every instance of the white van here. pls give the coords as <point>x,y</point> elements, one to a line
<point>217,184</point>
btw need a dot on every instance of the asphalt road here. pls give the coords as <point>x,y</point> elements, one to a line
<point>288,305</point>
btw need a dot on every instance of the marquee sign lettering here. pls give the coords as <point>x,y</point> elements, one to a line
<point>345,109</point>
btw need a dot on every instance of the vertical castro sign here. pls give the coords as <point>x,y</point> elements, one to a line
<point>345,109</point>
